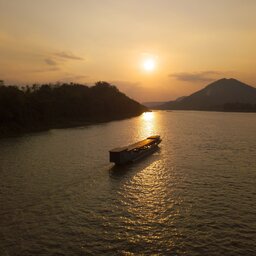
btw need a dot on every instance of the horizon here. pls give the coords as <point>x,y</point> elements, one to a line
<point>152,50</point>
<point>144,102</point>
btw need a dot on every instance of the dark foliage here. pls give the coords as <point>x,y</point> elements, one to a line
<point>59,105</point>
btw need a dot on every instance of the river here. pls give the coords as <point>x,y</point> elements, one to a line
<point>59,194</point>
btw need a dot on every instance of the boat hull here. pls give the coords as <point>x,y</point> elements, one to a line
<point>145,154</point>
<point>135,151</point>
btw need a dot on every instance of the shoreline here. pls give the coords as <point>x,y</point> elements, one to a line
<point>206,110</point>
<point>69,124</point>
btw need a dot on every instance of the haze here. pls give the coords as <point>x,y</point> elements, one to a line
<point>191,42</point>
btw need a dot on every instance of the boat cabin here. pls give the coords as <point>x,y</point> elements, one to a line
<point>134,151</point>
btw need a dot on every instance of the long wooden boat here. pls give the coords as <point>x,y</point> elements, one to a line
<point>135,151</point>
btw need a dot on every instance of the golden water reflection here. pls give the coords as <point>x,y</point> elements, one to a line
<point>146,193</point>
<point>148,116</point>
<point>148,124</point>
<point>147,200</point>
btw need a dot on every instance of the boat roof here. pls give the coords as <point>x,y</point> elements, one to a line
<point>154,137</point>
<point>139,144</point>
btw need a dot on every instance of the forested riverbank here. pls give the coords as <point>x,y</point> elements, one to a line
<point>46,106</point>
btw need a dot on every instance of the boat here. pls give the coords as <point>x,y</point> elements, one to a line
<point>135,151</point>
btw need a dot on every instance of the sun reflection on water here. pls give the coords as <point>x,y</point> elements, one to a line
<point>148,116</point>
<point>148,204</point>
<point>148,124</point>
<point>146,193</point>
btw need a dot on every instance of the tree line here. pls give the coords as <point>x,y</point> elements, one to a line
<point>44,106</point>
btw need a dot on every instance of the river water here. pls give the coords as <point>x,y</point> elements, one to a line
<point>59,195</point>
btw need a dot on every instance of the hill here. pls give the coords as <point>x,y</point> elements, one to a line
<point>153,104</point>
<point>62,105</point>
<point>224,94</point>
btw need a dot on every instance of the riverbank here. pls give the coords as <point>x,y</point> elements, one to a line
<point>48,106</point>
<point>16,131</point>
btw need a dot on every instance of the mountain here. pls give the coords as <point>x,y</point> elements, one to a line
<point>223,94</point>
<point>153,104</point>
<point>62,105</point>
<point>180,98</point>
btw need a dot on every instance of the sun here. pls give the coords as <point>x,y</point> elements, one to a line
<point>149,64</point>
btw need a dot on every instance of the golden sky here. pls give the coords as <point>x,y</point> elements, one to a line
<point>192,42</point>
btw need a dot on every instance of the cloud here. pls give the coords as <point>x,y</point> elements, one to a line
<point>203,76</point>
<point>50,62</point>
<point>67,55</point>
<point>45,70</point>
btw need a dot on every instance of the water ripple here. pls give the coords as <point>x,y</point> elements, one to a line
<point>195,196</point>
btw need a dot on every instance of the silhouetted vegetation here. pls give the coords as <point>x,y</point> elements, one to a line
<point>46,106</point>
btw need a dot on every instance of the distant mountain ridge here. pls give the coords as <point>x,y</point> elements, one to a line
<point>223,94</point>
<point>152,104</point>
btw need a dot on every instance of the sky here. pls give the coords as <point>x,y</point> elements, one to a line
<point>190,42</point>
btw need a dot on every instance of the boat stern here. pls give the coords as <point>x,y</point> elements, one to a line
<point>118,156</point>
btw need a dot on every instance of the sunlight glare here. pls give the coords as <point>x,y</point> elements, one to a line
<point>148,116</point>
<point>149,64</point>
<point>148,124</point>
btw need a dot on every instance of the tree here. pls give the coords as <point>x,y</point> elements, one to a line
<point>45,106</point>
